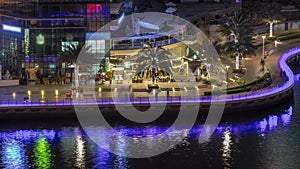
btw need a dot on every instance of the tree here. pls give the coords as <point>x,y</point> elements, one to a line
<point>71,57</point>
<point>270,13</point>
<point>240,28</point>
<point>233,25</point>
<point>242,47</point>
<point>154,58</point>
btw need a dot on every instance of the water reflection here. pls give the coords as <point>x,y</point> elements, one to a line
<point>262,126</point>
<point>42,153</point>
<point>226,148</point>
<point>13,154</point>
<point>80,150</point>
<point>70,148</point>
<point>286,118</point>
<point>67,146</point>
<point>297,77</point>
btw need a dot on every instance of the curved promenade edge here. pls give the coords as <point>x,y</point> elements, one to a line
<point>250,101</point>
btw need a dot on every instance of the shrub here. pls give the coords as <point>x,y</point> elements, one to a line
<point>243,88</point>
<point>206,81</point>
<point>272,38</point>
<point>155,86</point>
<point>289,37</point>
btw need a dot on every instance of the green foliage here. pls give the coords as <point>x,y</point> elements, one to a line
<point>272,38</point>
<point>289,37</point>
<point>206,81</point>
<point>242,88</point>
<point>240,81</point>
<point>155,86</point>
<point>212,81</point>
<point>241,27</point>
<point>270,12</point>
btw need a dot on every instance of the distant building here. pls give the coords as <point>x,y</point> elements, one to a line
<point>34,33</point>
<point>290,8</point>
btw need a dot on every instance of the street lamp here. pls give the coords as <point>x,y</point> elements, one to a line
<point>227,67</point>
<point>276,42</point>
<point>263,51</point>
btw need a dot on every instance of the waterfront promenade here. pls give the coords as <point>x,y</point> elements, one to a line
<point>57,94</point>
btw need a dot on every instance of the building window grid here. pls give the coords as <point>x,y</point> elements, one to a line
<point>37,53</point>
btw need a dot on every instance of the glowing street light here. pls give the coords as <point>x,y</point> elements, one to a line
<point>227,67</point>
<point>263,51</point>
<point>276,42</point>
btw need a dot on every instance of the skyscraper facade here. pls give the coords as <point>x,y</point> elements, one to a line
<point>35,32</point>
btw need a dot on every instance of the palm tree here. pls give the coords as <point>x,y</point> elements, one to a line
<point>270,14</point>
<point>71,57</point>
<point>239,27</point>
<point>154,58</point>
<point>241,48</point>
<point>204,27</point>
<point>233,25</point>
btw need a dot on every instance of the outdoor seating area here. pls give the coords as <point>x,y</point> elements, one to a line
<point>137,79</point>
<point>163,78</point>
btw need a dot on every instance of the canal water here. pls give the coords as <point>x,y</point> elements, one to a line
<point>270,140</point>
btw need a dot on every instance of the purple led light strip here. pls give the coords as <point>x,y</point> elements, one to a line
<point>204,99</point>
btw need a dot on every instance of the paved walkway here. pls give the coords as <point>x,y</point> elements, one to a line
<point>139,89</point>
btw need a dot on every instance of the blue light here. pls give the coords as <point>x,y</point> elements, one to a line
<point>273,122</point>
<point>286,118</point>
<point>11,28</point>
<point>263,125</point>
<point>13,154</point>
<point>28,135</point>
<point>297,77</point>
<point>121,18</point>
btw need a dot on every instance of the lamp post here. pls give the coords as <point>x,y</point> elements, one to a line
<point>227,67</point>
<point>263,51</point>
<point>276,42</point>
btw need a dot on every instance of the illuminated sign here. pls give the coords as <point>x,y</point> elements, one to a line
<point>94,8</point>
<point>11,28</point>
<point>40,39</point>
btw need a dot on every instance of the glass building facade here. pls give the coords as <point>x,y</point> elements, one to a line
<point>35,32</point>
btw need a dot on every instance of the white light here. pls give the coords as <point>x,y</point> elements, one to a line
<point>121,18</point>
<point>263,36</point>
<point>11,28</point>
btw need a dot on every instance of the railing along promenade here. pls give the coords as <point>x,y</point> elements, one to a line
<point>287,85</point>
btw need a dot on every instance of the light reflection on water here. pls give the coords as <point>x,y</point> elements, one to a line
<point>42,153</point>
<point>80,150</point>
<point>75,150</point>
<point>226,148</point>
<point>13,154</point>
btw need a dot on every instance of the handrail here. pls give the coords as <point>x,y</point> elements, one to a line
<point>287,85</point>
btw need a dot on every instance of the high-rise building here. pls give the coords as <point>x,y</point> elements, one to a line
<point>33,33</point>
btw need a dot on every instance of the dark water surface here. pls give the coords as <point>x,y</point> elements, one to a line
<point>269,141</point>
